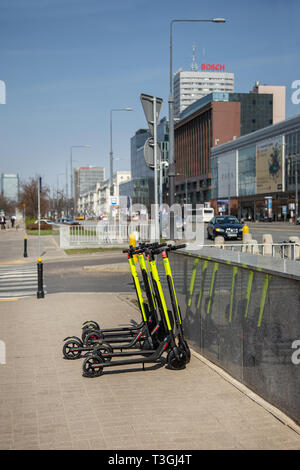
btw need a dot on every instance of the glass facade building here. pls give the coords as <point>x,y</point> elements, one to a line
<point>10,187</point>
<point>86,179</point>
<point>211,121</point>
<point>266,166</point>
<point>292,151</point>
<point>247,171</point>
<point>142,176</point>
<point>142,188</point>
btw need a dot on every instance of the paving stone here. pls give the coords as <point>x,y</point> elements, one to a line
<point>45,403</point>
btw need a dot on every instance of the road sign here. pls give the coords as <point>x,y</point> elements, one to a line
<point>114,200</point>
<point>147,103</point>
<point>149,153</point>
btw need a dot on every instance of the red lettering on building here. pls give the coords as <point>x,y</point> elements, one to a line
<point>213,67</point>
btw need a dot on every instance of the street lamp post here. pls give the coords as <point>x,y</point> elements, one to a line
<point>171,115</point>
<point>111,158</point>
<point>296,195</point>
<point>71,165</point>
<point>57,188</point>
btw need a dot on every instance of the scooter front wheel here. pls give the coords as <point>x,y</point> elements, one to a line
<point>177,361</point>
<point>92,366</point>
<point>187,350</point>
<point>72,349</point>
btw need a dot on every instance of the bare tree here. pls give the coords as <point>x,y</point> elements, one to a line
<point>29,197</point>
<point>7,206</point>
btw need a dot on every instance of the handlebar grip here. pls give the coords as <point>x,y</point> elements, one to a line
<point>176,247</point>
<point>129,250</point>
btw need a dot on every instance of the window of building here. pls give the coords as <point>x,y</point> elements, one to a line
<point>247,170</point>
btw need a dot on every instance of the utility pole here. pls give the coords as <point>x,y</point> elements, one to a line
<point>39,216</point>
<point>229,201</point>
<point>296,194</point>
<point>67,203</point>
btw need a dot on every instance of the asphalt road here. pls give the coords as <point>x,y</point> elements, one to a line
<point>69,276</point>
<point>278,232</point>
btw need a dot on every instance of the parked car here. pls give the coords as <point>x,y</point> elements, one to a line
<point>68,221</point>
<point>226,226</point>
<point>45,221</point>
<point>71,221</point>
<point>298,220</point>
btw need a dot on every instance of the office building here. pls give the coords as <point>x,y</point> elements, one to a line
<point>10,187</point>
<point>258,172</point>
<point>190,86</point>
<point>142,185</point>
<point>278,92</point>
<point>142,176</point>
<point>86,178</point>
<point>213,120</point>
<point>96,202</point>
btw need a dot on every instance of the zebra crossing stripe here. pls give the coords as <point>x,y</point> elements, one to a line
<point>17,281</point>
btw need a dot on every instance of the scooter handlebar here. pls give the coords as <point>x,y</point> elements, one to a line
<point>143,247</point>
<point>175,247</point>
<point>157,251</point>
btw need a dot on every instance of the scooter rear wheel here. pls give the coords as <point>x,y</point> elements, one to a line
<point>177,363</point>
<point>104,350</point>
<point>91,336</point>
<point>89,370</point>
<point>91,324</point>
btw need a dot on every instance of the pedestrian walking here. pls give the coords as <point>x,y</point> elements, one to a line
<point>13,220</point>
<point>3,222</point>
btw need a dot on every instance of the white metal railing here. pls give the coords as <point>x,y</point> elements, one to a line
<point>288,250</point>
<point>84,236</point>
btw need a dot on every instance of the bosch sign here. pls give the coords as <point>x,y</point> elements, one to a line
<point>212,67</point>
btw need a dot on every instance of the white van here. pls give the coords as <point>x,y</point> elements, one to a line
<point>205,214</point>
<point>208,214</point>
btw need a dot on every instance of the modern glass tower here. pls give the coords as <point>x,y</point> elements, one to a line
<point>10,187</point>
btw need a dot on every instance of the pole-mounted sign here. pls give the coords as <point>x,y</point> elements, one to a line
<point>152,106</point>
<point>148,107</point>
<point>149,152</point>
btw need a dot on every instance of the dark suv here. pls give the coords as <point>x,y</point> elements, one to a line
<point>226,226</point>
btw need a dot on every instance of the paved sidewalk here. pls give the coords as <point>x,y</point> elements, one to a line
<point>45,403</point>
<point>12,247</point>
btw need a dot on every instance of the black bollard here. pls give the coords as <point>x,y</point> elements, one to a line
<point>40,292</point>
<point>25,247</point>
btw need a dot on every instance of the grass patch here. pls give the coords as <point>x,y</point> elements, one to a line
<point>75,251</point>
<point>42,232</point>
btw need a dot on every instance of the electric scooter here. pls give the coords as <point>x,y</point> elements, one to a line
<point>175,306</point>
<point>74,348</point>
<point>123,331</point>
<point>94,364</point>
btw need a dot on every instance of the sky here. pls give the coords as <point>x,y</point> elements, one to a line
<point>67,63</point>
